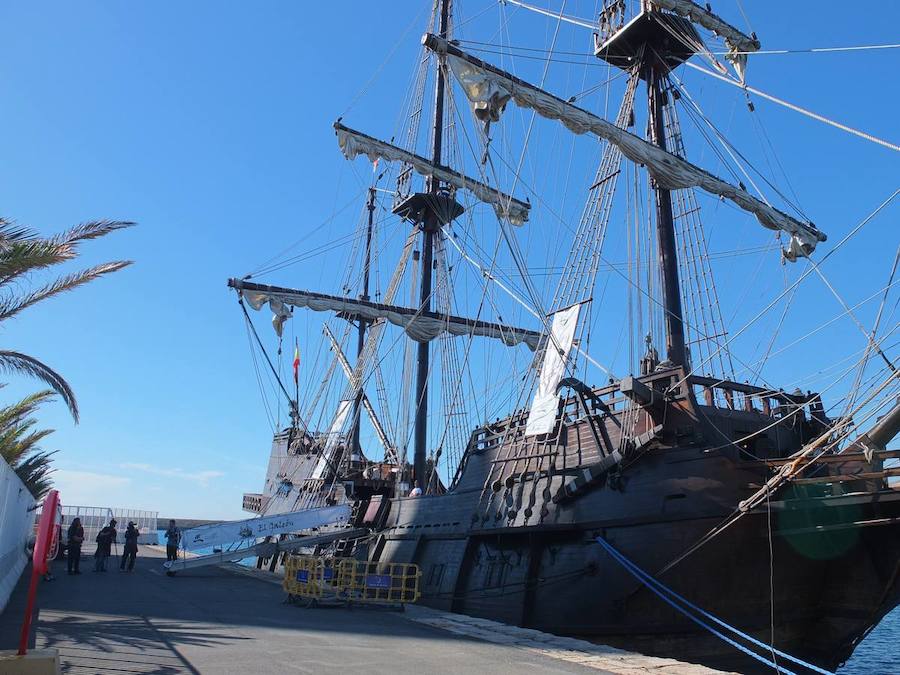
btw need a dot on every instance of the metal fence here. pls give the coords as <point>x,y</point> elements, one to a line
<point>94,518</point>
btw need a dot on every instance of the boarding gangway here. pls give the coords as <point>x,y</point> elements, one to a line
<point>236,540</point>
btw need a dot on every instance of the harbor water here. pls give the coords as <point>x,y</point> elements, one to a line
<point>878,652</point>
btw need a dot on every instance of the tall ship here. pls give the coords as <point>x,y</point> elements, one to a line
<point>533,419</point>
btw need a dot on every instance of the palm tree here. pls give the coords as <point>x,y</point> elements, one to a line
<point>19,443</point>
<point>23,252</point>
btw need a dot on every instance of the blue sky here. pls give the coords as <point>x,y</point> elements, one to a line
<point>210,125</point>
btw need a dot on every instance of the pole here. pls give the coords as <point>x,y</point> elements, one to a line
<point>29,611</point>
<point>665,225</point>
<point>42,544</point>
<point>429,227</point>
<point>363,324</point>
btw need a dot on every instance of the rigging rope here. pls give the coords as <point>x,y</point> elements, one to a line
<point>799,280</point>
<point>681,604</point>
<point>796,108</point>
<point>870,338</point>
<point>291,401</point>
<point>553,15</point>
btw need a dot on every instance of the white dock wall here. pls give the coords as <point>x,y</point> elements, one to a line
<point>16,525</point>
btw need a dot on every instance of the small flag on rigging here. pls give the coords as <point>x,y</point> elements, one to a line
<point>296,361</point>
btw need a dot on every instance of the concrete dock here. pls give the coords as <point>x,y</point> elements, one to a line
<point>231,620</point>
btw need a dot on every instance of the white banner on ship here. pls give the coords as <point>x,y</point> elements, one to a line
<point>248,531</point>
<point>542,417</point>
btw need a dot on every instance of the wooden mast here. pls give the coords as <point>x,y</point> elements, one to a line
<point>430,223</point>
<point>655,70</point>
<point>362,325</point>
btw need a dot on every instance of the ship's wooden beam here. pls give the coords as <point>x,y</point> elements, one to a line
<point>641,394</point>
<point>419,324</point>
<point>833,459</point>
<point>844,477</point>
<point>354,143</point>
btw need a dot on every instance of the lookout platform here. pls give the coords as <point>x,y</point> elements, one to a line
<point>228,619</point>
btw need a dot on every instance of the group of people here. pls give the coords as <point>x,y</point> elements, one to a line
<point>105,540</point>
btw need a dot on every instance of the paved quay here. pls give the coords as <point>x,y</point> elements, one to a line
<point>231,620</point>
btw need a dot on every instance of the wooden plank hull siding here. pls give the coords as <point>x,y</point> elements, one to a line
<point>497,544</point>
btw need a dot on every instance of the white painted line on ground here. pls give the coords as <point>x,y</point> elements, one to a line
<point>581,652</point>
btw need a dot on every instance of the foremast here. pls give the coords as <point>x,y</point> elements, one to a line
<point>362,324</point>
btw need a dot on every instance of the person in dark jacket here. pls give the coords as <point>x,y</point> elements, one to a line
<point>75,540</point>
<point>130,551</point>
<point>105,539</point>
<point>173,539</point>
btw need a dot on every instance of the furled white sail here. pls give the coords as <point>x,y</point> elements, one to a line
<point>329,452</point>
<point>420,326</point>
<point>489,89</point>
<point>542,416</point>
<point>354,143</point>
<point>738,44</point>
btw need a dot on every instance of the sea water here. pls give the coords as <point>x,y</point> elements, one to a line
<point>879,653</point>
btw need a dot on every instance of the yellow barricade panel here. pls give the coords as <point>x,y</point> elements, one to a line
<point>351,580</point>
<point>309,576</point>
<point>388,583</point>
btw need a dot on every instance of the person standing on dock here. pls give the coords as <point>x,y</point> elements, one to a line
<point>105,539</point>
<point>73,552</point>
<point>129,552</point>
<point>173,539</point>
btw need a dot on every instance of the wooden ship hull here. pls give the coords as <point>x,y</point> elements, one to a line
<point>525,551</point>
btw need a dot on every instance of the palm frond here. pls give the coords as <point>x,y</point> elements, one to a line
<point>21,257</point>
<point>22,251</point>
<point>35,472</point>
<point>10,232</point>
<point>16,362</point>
<point>9,307</point>
<point>17,412</point>
<point>14,451</point>
<point>93,229</point>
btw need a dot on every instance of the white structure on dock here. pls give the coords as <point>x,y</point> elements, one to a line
<point>16,523</point>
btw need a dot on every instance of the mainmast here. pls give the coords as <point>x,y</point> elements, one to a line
<point>431,221</point>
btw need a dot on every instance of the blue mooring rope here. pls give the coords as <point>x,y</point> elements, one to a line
<point>660,590</point>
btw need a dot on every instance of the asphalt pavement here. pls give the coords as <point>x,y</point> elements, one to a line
<point>220,620</point>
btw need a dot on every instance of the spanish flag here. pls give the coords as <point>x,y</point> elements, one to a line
<point>296,362</point>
